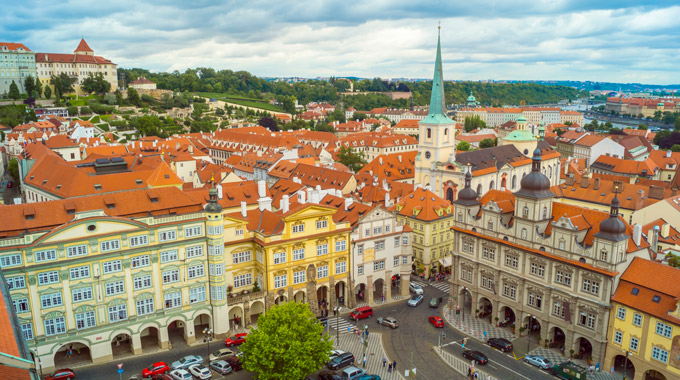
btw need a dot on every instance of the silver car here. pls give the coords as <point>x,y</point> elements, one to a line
<point>416,300</point>
<point>389,322</point>
<point>187,361</point>
<point>220,366</point>
<point>538,361</point>
<point>200,371</point>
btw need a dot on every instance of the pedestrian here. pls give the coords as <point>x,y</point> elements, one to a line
<point>384,362</point>
<point>389,368</point>
<point>469,375</point>
<point>364,360</point>
<point>78,351</point>
<point>394,365</point>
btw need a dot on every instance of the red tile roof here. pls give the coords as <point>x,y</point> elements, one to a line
<point>312,176</point>
<point>423,205</point>
<point>83,46</point>
<point>13,46</point>
<point>392,167</point>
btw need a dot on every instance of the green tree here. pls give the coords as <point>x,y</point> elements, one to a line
<point>13,115</point>
<point>675,148</point>
<point>38,88</point>
<point>95,83</point>
<point>569,123</point>
<point>676,125</point>
<point>487,143</point>
<point>29,86</point>
<point>360,116</point>
<point>72,110</point>
<point>48,92</point>
<point>642,127</point>
<point>14,91</point>
<point>63,84</point>
<point>287,344</point>
<point>338,116</point>
<point>324,127</point>
<point>463,146</point>
<point>473,122</point>
<point>13,169</point>
<point>351,158</point>
<point>133,97</point>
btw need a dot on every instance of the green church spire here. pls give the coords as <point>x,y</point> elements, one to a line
<point>437,113</point>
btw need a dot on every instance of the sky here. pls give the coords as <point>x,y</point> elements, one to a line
<point>614,41</point>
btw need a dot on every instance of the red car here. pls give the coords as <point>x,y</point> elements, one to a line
<point>62,374</point>
<point>10,185</point>
<point>436,321</point>
<point>155,369</point>
<point>236,339</point>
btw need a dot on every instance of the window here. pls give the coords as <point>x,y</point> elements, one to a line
<point>535,300</point>
<point>558,309</point>
<point>487,281</point>
<point>321,224</point>
<point>216,269</point>
<point>490,225</point>
<point>167,235</point>
<point>489,253</point>
<point>510,291</point>
<point>377,230</point>
<point>561,244</point>
<point>215,230</point>
<point>591,286</point>
<point>340,245</point>
<point>196,271</point>
<point>51,300</point>
<point>139,240</point>
<point>537,269</point>
<point>21,305</point>
<point>525,212</point>
<point>659,354</point>
<point>280,281</point>
<point>142,282</point>
<point>241,257</point>
<point>404,240</point>
<point>360,249</point>
<point>618,337</point>
<point>367,232</point>
<point>587,319</point>
<point>563,278</point>
<point>603,255</point>
<point>379,245</point>
<point>396,241</point>
<point>82,294</point>
<point>298,228</point>
<point>321,249</point>
<point>396,261</point>
<point>239,232</point>
<point>217,292</point>
<point>322,271</point>
<point>140,261</point>
<point>109,245</point>
<point>524,234</point>
<point>387,228</point>
<point>379,265</point>
<point>117,313</point>
<point>76,250</point>
<point>404,260</point>
<point>172,275</point>
<point>511,261</point>
<point>466,275</point>
<point>55,326</point>
<point>10,260</point>
<point>194,251</point>
<point>197,295</point>
<point>621,313</point>
<point>112,266</point>
<point>193,231</point>
<point>360,269</point>
<point>85,320</point>
<point>16,282</point>
<point>169,256</point>
<point>113,288</point>
<point>634,344</point>
<point>50,277</point>
<point>298,254</point>
<point>637,319</point>
<point>468,247</point>
<point>27,329</point>
<point>145,306</point>
<point>340,267</point>
<point>214,250</point>
<point>280,258</point>
<point>77,273</point>
<point>299,277</point>
<point>172,300</point>
<point>243,280</point>
<point>48,255</point>
<point>664,329</point>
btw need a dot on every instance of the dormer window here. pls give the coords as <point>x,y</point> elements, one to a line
<point>603,255</point>
<point>525,212</point>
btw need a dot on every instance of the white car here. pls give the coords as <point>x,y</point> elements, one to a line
<point>415,288</point>
<point>180,374</point>
<point>335,353</point>
<point>200,371</point>
<point>538,361</point>
<point>416,300</point>
<point>186,362</point>
<point>221,354</point>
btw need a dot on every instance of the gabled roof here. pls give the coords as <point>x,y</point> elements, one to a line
<point>13,46</point>
<point>619,165</point>
<point>312,176</point>
<point>422,205</point>
<point>233,194</point>
<point>83,46</point>
<point>353,213</point>
<point>496,157</point>
<point>392,167</point>
<point>504,199</point>
<point>60,141</point>
<point>673,236</point>
<point>630,196</point>
<point>284,187</point>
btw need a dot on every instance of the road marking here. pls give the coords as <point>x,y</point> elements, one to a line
<point>489,365</point>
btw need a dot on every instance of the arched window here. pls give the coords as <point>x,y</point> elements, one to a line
<point>479,189</point>
<point>549,171</point>
<point>525,212</point>
<point>429,133</point>
<point>446,134</point>
<point>449,195</point>
<point>524,233</point>
<point>545,212</point>
<point>492,185</point>
<point>514,181</point>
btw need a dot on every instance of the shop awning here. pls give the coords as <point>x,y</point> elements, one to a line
<point>446,261</point>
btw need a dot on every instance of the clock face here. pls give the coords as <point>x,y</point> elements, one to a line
<point>428,155</point>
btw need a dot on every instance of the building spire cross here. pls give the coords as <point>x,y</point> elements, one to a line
<point>437,99</point>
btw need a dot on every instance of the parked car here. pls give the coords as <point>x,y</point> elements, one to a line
<point>62,374</point>
<point>500,343</point>
<point>434,302</point>
<point>415,300</point>
<point>221,354</point>
<point>220,366</point>
<point>415,288</point>
<point>361,313</point>
<point>200,371</point>
<point>186,361</point>
<point>334,353</point>
<point>389,322</point>
<point>181,374</point>
<point>325,375</point>
<point>235,363</point>
<point>341,361</point>
<point>368,377</point>
<point>10,185</point>
<point>436,321</point>
<point>161,376</point>
<point>322,320</point>
<point>476,356</point>
<point>539,361</point>
<point>236,339</point>
<point>352,373</point>
<point>155,369</point>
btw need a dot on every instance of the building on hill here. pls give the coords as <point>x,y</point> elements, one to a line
<point>17,62</point>
<point>374,144</point>
<point>142,84</point>
<point>643,338</point>
<point>78,65</point>
<point>538,265</point>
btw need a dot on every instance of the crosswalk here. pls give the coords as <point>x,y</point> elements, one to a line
<point>440,285</point>
<point>342,323</point>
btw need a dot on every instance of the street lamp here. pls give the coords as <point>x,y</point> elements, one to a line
<point>625,366</point>
<point>207,332</point>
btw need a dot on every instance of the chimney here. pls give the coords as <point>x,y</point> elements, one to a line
<point>380,160</point>
<point>385,185</point>
<point>387,199</point>
<point>665,230</point>
<point>654,240</point>
<point>244,212</point>
<point>296,180</point>
<point>219,191</point>
<point>261,188</point>
<point>570,180</point>
<point>285,204</point>
<point>399,157</point>
<point>348,202</point>
<point>596,184</point>
<point>637,234</point>
<point>310,193</point>
<point>585,182</point>
<point>191,149</point>
<point>656,192</point>
<point>177,146</point>
<point>668,153</point>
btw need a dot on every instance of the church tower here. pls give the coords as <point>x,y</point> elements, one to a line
<point>436,144</point>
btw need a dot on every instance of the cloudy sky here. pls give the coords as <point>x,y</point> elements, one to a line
<point>617,41</point>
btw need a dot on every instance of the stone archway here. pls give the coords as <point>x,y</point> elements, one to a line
<point>506,318</point>
<point>256,309</point>
<point>150,339</point>
<point>360,292</point>
<point>202,322</point>
<point>322,296</point>
<point>465,303</point>
<point>532,329</point>
<point>177,332</point>
<point>340,291</point>
<point>121,345</point>
<point>280,299</point>
<point>378,289</point>
<point>300,297</point>
<point>485,308</point>
<point>72,354</point>
<point>235,317</point>
<point>652,374</point>
<point>621,366</point>
<point>583,349</point>
<point>556,337</point>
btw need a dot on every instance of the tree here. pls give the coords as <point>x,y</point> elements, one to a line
<point>324,127</point>
<point>96,83</point>
<point>133,97</point>
<point>487,143</point>
<point>287,344</point>
<point>675,148</point>
<point>63,84</point>
<point>14,91</point>
<point>13,169</point>
<point>338,116</point>
<point>268,123</point>
<point>48,92</point>
<point>676,125</point>
<point>351,158</point>
<point>38,88</point>
<point>559,131</point>
<point>359,116</point>
<point>642,127</point>
<point>473,122</point>
<point>29,86</point>
<point>463,146</point>
<point>569,123</point>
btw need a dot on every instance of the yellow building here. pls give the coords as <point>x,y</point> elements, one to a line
<point>644,323</point>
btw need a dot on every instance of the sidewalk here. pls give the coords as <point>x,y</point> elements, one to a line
<point>476,327</point>
<point>375,352</point>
